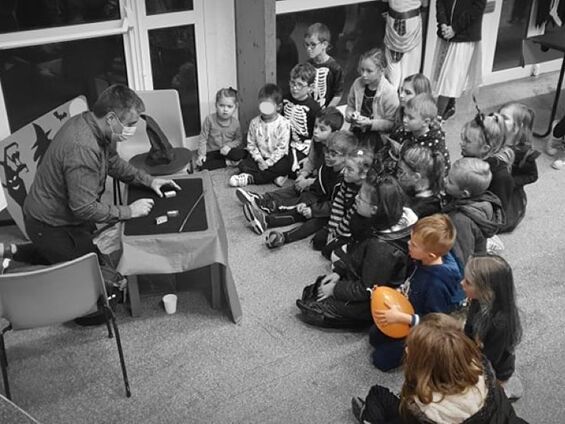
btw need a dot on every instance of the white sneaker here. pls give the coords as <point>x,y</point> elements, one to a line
<point>495,246</point>
<point>5,264</point>
<point>240,180</point>
<point>558,164</point>
<point>279,181</point>
<point>513,388</point>
<point>232,163</point>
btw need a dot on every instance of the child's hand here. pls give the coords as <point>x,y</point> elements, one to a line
<point>302,183</point>
<point>262,165</point>
<point>327,286</point>
<point>363,122</point>
<point>200,160</point>
<point>225,150</point>
<point>304,210</point>
<point>392,315</point>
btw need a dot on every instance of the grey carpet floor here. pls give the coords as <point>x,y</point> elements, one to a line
<point>198,367</point>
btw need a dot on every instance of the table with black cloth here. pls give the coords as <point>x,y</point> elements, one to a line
<point>149,248</point>
<point>555,41</point>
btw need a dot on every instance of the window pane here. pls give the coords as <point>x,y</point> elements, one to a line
<point>154,7</point>
<point>354,29</point>
<point>173,62</point>
<point>40,78</point>
<point>25,15</point>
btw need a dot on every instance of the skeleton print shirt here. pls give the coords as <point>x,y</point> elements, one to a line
<point>301,114</point>
<point>329,81</point>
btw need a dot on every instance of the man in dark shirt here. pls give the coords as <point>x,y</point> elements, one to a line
<point>64,202</point>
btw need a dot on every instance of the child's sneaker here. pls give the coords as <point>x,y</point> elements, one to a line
<point>558,164</point>
<point>279,181</point>
<point>274,239</point>
<point>255,217</point>
<point>267,205</point>
<point>240,180</point>
<point>495,246</point>
<point>245,196</point>
<point>5,264</point>
<point>7,250</point>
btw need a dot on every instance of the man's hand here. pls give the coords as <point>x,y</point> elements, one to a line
<point>141,207</point>
<point>158,183</point>
<point>225,150</point>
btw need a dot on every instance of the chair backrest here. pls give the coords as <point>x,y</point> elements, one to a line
<point>22,151</point>
<point>51,295</point>
<point>164,107</point>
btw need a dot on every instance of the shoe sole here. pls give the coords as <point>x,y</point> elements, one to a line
<point>243,196</point>
<point>258,226</point>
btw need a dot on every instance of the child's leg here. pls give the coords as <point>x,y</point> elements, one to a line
<point>388,351</point>
<point>279,169</point>
<point>281,219</point>
<point>559,129</point>
<point>214,160</point>
<point>236,154</point>
<point>320,238</point>
<point>381,406</point>
<point>307,229</point>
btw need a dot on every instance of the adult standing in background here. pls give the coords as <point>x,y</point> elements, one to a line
<point>403,39</point>
<point>458,56</point>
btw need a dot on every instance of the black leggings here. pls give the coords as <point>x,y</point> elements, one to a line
<point>559,130</point>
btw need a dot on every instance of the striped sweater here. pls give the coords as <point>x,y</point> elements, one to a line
<point>343,207</point>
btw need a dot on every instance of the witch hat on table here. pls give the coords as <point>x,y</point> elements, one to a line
<point>162,158</point>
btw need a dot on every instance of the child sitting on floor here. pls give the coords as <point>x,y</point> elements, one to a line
<point>275,210</point>
<point>519,121</point>
<point>446,380</point>
<point>300,109</point>
<point>267,142</point>
<point>483,137</point>
<point>372,101</point>
<point>420,173</point>
<point>476,213</point>
<point>411,86</point>
<point>433,285</point>
<point>343,206</point>
<point>341,299</point>
<point>420,127</point>
<point>220,139</point>
<point>493,320</point>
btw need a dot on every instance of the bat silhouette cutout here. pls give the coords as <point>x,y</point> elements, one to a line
<point>41,143</point>
<point>60,116</point>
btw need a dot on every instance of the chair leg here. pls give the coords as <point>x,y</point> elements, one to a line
<point>4,366</point>
<point>121,354</point>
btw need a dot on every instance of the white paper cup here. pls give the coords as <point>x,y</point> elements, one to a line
<point>170,302</point>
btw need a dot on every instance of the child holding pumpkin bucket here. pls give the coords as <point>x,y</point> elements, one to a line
<point>433,286</point>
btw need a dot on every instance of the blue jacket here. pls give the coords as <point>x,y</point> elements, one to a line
<point>436,288</point>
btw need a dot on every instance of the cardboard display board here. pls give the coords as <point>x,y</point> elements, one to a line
<point>22,151</point>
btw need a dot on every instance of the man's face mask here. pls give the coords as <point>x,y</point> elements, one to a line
<point>126,131</point>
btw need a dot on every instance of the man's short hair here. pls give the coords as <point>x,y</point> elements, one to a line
<point>471,174</point>
<point>119,99</point>
<point>330,116</point>
<point>436,233</point>
<point>424,104</point>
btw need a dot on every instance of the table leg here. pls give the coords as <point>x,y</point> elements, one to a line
<point>216,285</point>
<point>133,295</point>
<point>555,101</point>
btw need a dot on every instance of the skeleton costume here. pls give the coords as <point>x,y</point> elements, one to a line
<point>328,82</point>
<point>301,114</point>
<point>403,39</point>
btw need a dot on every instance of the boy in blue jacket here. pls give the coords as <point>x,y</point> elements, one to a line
<point>433,286</point>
